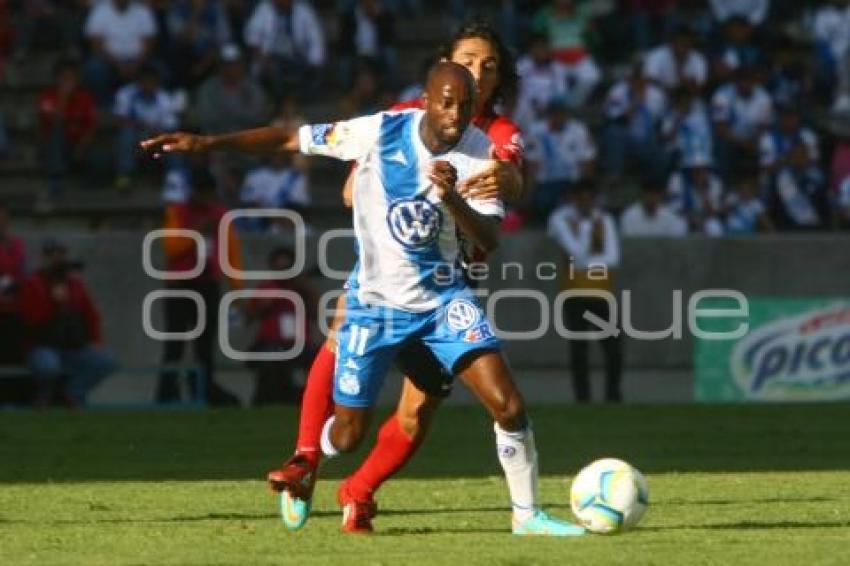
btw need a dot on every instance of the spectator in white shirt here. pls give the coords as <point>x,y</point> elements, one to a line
<point>744,212</point>
<point>561,151</point>
<point>542,78</point>
<point>775,145</point>
<point>791,79</point>
<point>121,34</point>
<point>696,194</point>
<point>677,62</point>
<point>830,28</point>
<point>741,112</point>
<point>633,111</point>
<point>276,185</point>
<point>590,246</point>
<point>650,216</point>
<point>831,35</point>
<point>143,109</point>
<point>289,45</point>
<point>685,128</point>
<point>737,48</point>
<point>754,10</point>
<point>797,195</point>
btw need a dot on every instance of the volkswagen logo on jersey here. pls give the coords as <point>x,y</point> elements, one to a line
<point>414,223</point>
<point>461,315</point>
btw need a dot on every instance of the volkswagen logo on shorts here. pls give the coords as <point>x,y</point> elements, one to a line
<point>414,223</point>
<point>461,315</point>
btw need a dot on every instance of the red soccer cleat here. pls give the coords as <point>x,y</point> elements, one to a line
<point>356,515</point>
<point>297,476</point>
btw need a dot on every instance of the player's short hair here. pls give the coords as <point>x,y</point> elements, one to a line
<point>448,67</point>
<point>477,29</point>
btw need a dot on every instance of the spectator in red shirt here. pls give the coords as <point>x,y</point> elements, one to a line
<point>12,272</point>
<point>279,328</point>
<point>64,329</point>
<point>66,114</point>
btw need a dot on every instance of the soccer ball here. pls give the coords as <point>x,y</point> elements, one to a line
<point>609,496</point>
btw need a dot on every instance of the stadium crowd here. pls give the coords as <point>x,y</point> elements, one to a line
<point>719,108</point>
<point>732,116</point>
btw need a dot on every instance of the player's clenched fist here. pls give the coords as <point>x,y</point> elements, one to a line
<point>501,180</point>
<point>177,142</point>
<point>444,177</point>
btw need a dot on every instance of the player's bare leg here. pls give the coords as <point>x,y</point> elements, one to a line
<point>489,377</point>
<point>415,411</point>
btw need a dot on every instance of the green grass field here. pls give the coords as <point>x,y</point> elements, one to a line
<point>729,485</point>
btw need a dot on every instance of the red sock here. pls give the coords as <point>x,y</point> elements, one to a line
<point>316,405</point>
<point>392,451</point>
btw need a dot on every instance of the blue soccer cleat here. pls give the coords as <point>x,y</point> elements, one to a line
<point>542,524</point>
<point>294,511</point>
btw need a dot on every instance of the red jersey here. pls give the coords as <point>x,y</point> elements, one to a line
<point>505,135</point>
<point>39,308</point>
<point>78,114</point>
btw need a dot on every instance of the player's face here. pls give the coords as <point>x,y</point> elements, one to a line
<point>449,110</point>
<point>482,60</point>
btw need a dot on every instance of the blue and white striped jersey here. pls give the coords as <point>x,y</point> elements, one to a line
<point>406,239</point>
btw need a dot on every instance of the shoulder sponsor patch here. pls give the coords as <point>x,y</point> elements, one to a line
<point>327,134</point>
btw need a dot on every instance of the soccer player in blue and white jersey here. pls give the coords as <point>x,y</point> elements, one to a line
<point>406,285</point>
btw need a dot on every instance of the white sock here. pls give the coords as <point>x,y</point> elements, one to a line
<point>518,457</point>
<point>328,449</point>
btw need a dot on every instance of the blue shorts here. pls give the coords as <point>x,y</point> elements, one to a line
<point>370,337</point>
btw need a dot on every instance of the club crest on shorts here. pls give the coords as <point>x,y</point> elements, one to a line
<point>349,384</point>
<point>461,315</point>
<point>414,223</point>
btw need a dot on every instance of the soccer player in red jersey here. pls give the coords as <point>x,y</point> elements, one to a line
<point>477,47</point>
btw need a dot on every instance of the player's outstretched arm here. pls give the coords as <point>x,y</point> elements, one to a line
<point>483,230</point>
<point>269,139</point>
